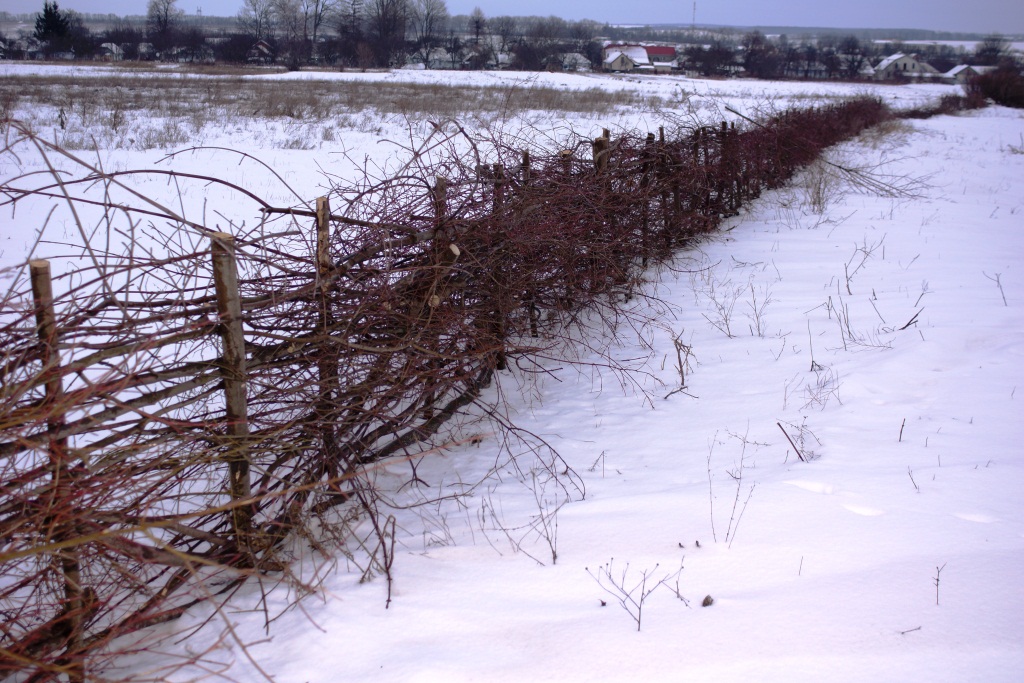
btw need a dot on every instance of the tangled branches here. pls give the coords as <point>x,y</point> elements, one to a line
<point>147,467</point>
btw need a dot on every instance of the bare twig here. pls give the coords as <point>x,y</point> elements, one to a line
<point>795,449</point>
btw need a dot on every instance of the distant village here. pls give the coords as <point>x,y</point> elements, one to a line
<point>743,62</point>
<point>419,34</point>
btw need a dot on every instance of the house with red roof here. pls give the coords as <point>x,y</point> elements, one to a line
<point>662,57</point>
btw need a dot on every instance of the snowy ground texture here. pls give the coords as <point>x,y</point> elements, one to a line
<point>886,335</point>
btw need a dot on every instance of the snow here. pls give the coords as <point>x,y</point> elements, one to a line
<point>886,351</point>
<point>665,85</point>
<point>965,45</point>
<point>637,53</point>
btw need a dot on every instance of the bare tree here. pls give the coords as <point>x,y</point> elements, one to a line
<point>192,42</point>
<point>582,33</point>
<point>853,55</point>
<point>710,60</point>
<point>507,30</point>
<point>162,19</point>
<point>548,32</point>
<point>350,17</point>
<point>350,31</point>
<point>386,23</point>
<point>760,56</point>
<point>314,14</point>
<point>808,56</point>
<point>832,61</point>
<point>428,20</point>
<point>456,48</point>
<point>291,31</point>
<point>991,51</point>
<point>256,19</point>
<point>544,39</point>
<point>943,57</point>
<point>477,22</point>
<point>127,35</point>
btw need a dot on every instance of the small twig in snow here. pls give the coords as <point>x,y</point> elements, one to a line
<point>911,321</point>
<point>938,575</point>
<point>999,284</point>
<point>799,454</point>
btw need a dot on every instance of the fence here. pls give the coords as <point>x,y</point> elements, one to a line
<point>168,422</point>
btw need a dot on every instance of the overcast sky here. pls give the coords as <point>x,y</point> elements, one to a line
<point>983,16</point>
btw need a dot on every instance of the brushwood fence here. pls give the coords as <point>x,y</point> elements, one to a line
<point>168,421</point>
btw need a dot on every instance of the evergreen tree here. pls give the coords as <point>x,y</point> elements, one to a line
<point>52,25</point>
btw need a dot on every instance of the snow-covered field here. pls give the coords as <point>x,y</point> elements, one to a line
<point>885,335</point>
<point>965,45</point>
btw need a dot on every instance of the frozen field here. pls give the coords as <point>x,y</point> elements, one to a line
<point>884,335</point>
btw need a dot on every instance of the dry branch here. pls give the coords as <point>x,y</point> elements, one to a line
<point>350,337</point>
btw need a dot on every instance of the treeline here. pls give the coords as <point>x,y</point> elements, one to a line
<point>688,34</point>
<point>346,33</point>
<point>829,56</point>
<point>392,33</point>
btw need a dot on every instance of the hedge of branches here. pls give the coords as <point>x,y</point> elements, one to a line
<point>130,491</point>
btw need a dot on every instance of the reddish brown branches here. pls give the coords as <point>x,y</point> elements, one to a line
<point>131,488</point>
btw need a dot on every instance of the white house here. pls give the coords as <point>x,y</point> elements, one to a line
<point>616,60</point>
<point>645,58</point>
<point>963,73</point>
<point>626,58</point>
<point>899,66</point>
<point>111,52</point>
<point>574,61</point>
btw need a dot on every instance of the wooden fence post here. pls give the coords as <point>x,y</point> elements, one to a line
<point>229,309</point>
<point>566,156</point>
<point>664,172</point>
<point>645,183</point>
<point>601,147</point>
<point>323,244</point>
<point>499,187</point>
<point>733,167</point>
<point>440,199</point>
<point>499,291</point>
<point>724,170</point>
<point>440,260</point>
<point>46,328</point>
<point>73,609</point>
<point>529,297</point>
<point>327,361</point>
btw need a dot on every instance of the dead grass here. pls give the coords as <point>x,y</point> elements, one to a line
<point>1017,149</point>
<point>143,107</point>
<point>886,134</point>
<point>222,92</point>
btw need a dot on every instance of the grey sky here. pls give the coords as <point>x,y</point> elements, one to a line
<point>983,16</point>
